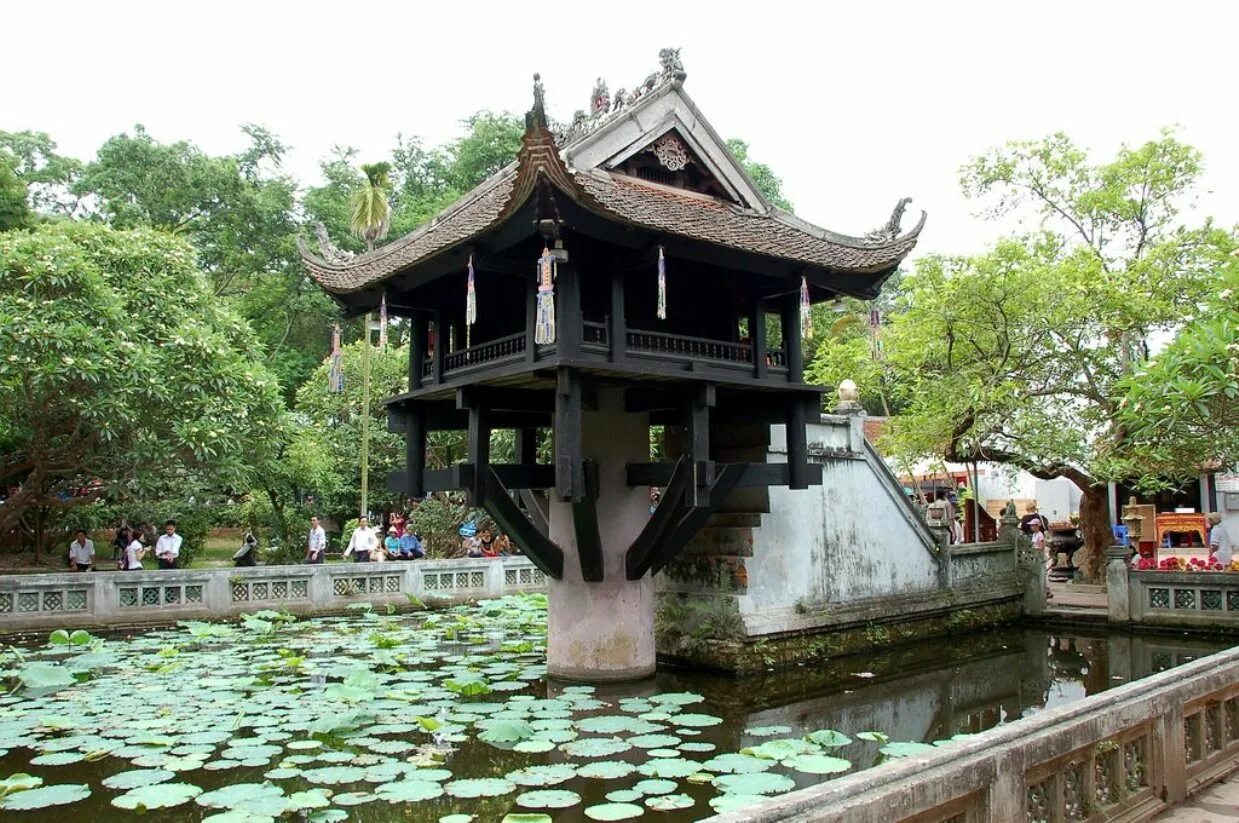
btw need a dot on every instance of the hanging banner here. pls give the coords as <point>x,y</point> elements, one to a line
<point>875,334</point>
<point>544,331</point>
<point>335,376</point>
<point>806,315</point>
<point>662,285</point>
<point>383,322</point>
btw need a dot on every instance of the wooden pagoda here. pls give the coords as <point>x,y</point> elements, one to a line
<point>639,191</point>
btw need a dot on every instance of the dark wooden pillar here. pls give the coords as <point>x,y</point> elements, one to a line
<point>525,446</point>
<point>415,447</point>
<point>792,351</point>
<point>696,445</point>
<point>568,318</point>
<point>436,365</point>
<point>619,323</point>
<point>531,321</point>
<point>569,468</point>
<point>479,449</point>
<point>417,349</point>
<point>757,337</point>
<point>797,445</point>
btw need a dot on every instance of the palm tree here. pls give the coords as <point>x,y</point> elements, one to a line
<point>369,218</point>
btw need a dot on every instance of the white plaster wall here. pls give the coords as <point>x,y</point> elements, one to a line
<point>846,539</point>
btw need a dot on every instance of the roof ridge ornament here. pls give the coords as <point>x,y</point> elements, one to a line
<point>327,249</point>
<point>604,107</point>
<point>537,115</point>
<point>890,230</point>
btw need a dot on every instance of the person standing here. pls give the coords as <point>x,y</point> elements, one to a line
<point>134,552</point>
<point>82,553</point>
<point>120,543</point>
<point>316,548</point>
<point>362,542</point>
<point>1031,515</point>
<point>168,546</point>
<point>1221,550</point>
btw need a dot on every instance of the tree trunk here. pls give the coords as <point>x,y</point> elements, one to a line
<point>1095,528</point>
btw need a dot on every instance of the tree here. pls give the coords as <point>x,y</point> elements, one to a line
<point>120,376</point>
<point>14,212</point>
<point>767,182</point>
<point>1019,355</point>
<point>1181,409</point>
<point>49,177</point>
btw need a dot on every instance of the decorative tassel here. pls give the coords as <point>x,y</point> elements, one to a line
<point>544,331</point>
<point>806,318</point>
<point>383,322</point>
<point>335,377</point>
<point>471,305</point>
<point>662,285</point>
<point>875,334</point>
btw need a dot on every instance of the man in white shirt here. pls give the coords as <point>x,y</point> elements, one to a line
<point>317,545</point>
<point>1221,550</point>
<point>363,541</point>
<point>168,546</point>
<point>82,553</point>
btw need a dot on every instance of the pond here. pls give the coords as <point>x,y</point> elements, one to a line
<point>436,715</point>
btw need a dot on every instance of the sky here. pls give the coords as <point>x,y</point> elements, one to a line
<point>854,105</point>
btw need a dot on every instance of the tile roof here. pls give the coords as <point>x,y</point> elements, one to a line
<point>635,202</point>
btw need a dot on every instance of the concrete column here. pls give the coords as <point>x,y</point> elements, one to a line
<point>1118,598</point>
<point>494,579</point>
<point>320,588</point>
<point>604,631</point>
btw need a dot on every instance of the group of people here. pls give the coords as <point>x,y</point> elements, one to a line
<point>370,545</point>
<point>484,542</point>
<point>130,547</point>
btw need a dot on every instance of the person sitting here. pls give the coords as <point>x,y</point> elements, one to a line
<point>82,552</point>
<point>391,544</point>
<point>469,540</point>
<point>247,555</point>
<point>486,544</point>
<point>411,545</point>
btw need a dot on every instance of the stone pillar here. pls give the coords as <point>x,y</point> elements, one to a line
<point>1118,598</point>
<point>604,631</point>
<point>1029,564</point>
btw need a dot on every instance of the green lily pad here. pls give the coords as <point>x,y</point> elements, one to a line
<point>700,748</point>
<point>655,786</point>
<point>157,796</point>
<point>669,802</point>
<point>780,749</point>
<point>696,720</point>
<point>755,783</point>
<point>905,749</point>
<point>45,678</point>
<point>58,795</point>
<point>311,799</point>
<point>334,775</point>
<point>676,698</point>
<point>533,746</point>
<point>625,796</point>
<point>57,759</point>
<point>595,747</point>
<point>522,817</point>
<point>353,798</point>
<point>669,767</point>
<point>817,764</point>
<point>614,811</point>
<point>327,816</point>
<point>459,818</point>
<point>733,763</point>
<point>768,731</point>
<point>548,799</point>
<point>828,738</point>
<point>19,782</point>
<point>606,770</point>
<point>654,741</point>
<point>138,778</point>
<point>480,787</point>
<point>730,802</point>
<point>872,737</point>
<point>550,774</point>
<point>239,795</point>
<point>505,731</point>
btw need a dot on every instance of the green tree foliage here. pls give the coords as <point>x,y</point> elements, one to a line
<point>49,177</point>
<point>1181,409</point>
<point>120,375</point>
<point>1019,355</point>
<point>370,213</point>
<point>14,212</point>
<point>767,182</point>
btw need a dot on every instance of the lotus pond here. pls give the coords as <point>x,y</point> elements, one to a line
<point>446,715</point>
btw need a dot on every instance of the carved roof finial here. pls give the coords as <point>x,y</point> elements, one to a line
<point>537,115</point>
<point>671,64</point>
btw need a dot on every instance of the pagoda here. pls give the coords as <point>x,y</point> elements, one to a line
<point>624,272</point>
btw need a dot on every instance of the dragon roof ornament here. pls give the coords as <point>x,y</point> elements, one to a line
<point>604,107</point>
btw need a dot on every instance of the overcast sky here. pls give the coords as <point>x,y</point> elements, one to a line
<point>854,105</point>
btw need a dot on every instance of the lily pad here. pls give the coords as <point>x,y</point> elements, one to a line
<point>756,783</point>
<point>614,811</point>
<point>625,796</point>
<point>768,731</point>
<point>654,741</point>
<point>238,795</point>
<point>905,749</point>
<point>872,737</point>
<point>669,767</point>
<point>655,786</point>
<point>520,817</point>
<point>780,749</point>
<point>334,775</point>
<point>606,770</point>
<point>817,764</point>
<point>138,778</point>
<point>595,747</point>
<point>828,738</point>
<point>533,746</point>
<point>733,763</point>
<point>548,799</point>
<point>157,796</point>
<point>730,802</point>
<point>40,798</point>
<point>696,720</point>
<point>669,802</point>
<point>549,774</point>
<point>480,787</point>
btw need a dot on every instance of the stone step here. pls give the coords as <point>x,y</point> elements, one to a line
<point>747,520</point>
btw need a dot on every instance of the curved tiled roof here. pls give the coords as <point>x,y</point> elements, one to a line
<point>625,199</point>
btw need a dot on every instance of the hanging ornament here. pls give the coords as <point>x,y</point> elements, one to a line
<point>335,377</point>
<point>662,285</point>
<point>875,334</point>
<point>544,331</point>
<point>471,305</point>
<point>806,318</point>
<point>383,322</point>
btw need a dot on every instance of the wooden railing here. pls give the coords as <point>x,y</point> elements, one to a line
<point>492,350</point>
<point>692,347</point>
<point>595,334</point>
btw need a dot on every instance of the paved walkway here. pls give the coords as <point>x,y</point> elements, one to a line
<point>1217,804</point>
<point>1076,600</point>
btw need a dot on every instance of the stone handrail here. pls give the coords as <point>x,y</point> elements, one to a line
<point>105,598</point>
<point>1124,754</point>
<point>1171,599</point>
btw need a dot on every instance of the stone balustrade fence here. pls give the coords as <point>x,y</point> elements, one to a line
<point>104,598</point>
<point>1124,754</point>
<point>1170,599</point>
